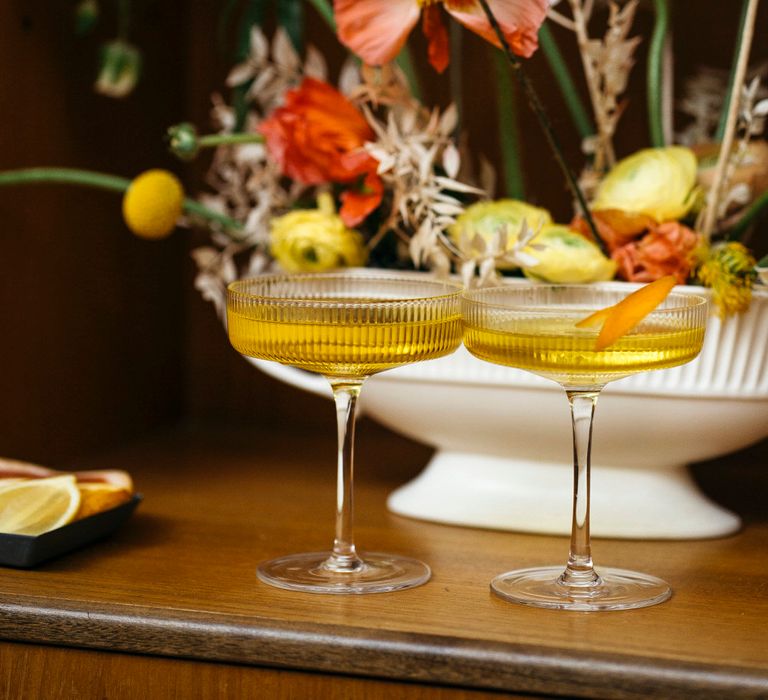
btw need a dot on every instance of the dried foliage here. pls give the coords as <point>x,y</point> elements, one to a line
<point>702,102</point>
<point>419,164</point>
<point>484,257</point>
<point>413,148</point>
<point>607,63</point>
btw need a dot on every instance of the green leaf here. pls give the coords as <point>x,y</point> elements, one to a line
<point>290,16</point>
<point>570,93</point>
<point>509,129</point>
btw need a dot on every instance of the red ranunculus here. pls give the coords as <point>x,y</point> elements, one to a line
<point>668,249</point>
<point>317,137</point>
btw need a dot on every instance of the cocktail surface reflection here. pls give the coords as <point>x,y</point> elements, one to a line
<point>346,326</point>
<point>535,328</point>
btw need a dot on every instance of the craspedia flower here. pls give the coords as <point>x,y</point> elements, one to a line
<point>729,269</point>
<point>657,182</point>
<point>314,240</point>
<point>153,203</point>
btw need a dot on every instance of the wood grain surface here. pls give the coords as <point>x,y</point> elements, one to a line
<point>45,673</point>
<point>178,580</point>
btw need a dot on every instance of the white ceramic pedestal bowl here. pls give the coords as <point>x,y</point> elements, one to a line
<point>503,437</point>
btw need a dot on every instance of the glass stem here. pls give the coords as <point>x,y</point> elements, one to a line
<point>579,571</point>
<point>344,558</point>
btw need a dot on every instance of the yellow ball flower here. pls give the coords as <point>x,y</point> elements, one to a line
<point>658,182</point>
<point>566,257</point>
<point>153,203</point>
<point>314,240</point>
<point>487,218</point>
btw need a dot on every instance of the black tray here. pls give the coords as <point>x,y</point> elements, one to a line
<point>26,551</point>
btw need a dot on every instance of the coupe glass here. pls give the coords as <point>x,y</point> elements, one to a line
<point>345,326</point>
<point>534,328</point>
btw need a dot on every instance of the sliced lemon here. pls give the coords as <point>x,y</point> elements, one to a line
<point>34,506</point>
<point>98,497</point>
<point>7,481</point>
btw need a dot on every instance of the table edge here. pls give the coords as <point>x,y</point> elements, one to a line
<point>360,651</point>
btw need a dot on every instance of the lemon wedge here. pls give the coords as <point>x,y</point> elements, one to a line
<point>98,497</point>
<point>9,481</point>
<point>34,506</point>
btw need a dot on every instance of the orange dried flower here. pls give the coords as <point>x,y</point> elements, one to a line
<point>668,249</point>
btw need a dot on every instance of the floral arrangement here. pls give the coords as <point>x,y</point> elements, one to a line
<point>310,175</point>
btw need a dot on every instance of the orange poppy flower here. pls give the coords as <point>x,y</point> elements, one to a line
<point>376,30</point>
<point>317,137</point>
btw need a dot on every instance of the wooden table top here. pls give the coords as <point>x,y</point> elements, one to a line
<point>178,580</point>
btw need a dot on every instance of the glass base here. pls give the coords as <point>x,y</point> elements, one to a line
<point>379,573</point>
<point>616,589</point>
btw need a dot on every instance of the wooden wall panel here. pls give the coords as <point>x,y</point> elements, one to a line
<point>91,318</point>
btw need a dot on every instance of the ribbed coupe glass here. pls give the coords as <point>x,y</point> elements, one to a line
<point>346,326</point>
<point>534,328</point>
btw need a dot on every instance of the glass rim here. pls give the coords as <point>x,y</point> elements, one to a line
<point>697,300</point>
<point>368,274</point>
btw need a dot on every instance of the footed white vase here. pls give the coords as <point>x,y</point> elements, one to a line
<point>503,441</point>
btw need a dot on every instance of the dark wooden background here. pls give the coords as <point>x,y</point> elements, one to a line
<point>102,336</point>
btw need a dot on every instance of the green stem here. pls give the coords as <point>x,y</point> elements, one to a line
<point>570,93</point>
<point>104,181</point>
<point>755,211</point>
<point>192,206</point>
<point>733,90</point>
<point>654,73</point>
<point>405,61</point>
<point>290,16</point>
<point>70,176</point>
<point>325,10</point>
<point>549,132</point>
<point>509,129</point>
<point>213,140</point>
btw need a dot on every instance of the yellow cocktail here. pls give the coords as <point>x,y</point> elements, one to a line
<point>345,326</point>
<point>346,340</point>
<point>556,349</point>
<point>537,328</point>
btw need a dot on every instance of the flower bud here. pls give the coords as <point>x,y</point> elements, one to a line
<point>120,68</point>
<point>566,257</point>
<point>657,182</point>
<point>314,240</point>
<point>182,140</point>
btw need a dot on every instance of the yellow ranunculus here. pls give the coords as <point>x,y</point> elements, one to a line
<point>313,240</point>
<point>658,182</point>
<point>487,218</point>
<point>153,203</point>
<point>566,257</point>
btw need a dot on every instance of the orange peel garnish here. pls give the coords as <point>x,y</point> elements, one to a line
<point>595,319</point>
<point>621,318</point>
